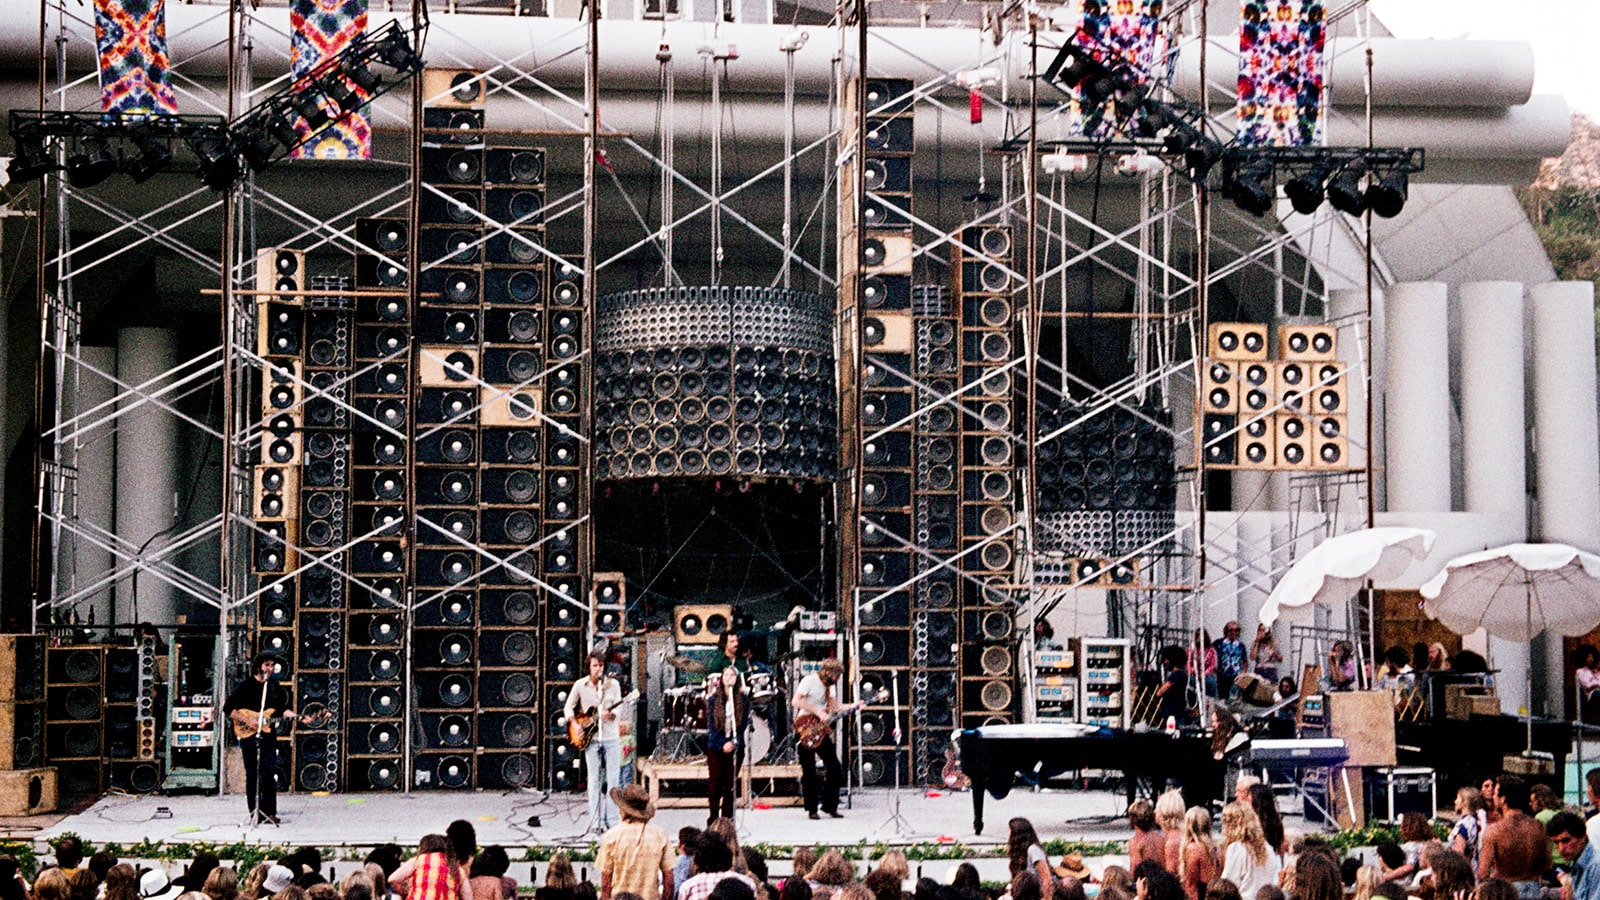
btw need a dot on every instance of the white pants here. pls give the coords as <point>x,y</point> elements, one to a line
<point>603,758</point>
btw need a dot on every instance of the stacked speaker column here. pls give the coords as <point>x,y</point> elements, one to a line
<point>22,708</point>
<point>887,554</point>
<point>75,708</point>
<point>988,494</point>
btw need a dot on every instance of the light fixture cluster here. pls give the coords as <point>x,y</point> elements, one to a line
<point>1352,180</point>
<point>91,147</point>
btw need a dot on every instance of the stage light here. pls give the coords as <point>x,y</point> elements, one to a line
<point>309,106</point>
<point>1248,183</point>
<point>153,155</point>
<point>348,100</point>
<point>282,128</point>
<point>396,53</point>
<point>1388,196</point>
<point>1306,191</point>
<point>93,163</point>
<point>1344,191</point>
<point>257,146</point>
<point>361,76</point>
<point>33,159</point>
<point>1199,158</point>
<point>219,164</point>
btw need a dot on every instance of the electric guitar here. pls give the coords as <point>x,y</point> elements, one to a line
<point>582,726</point>
<point>247,723</point>
<point>811,730</point>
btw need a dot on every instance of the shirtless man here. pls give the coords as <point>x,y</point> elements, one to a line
<point>1516,847</point>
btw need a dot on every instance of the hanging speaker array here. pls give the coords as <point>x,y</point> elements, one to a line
<point>1285,413</point>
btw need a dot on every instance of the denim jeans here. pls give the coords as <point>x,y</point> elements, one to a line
<point>603,758</point>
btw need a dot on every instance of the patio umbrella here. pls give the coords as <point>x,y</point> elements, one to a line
<point>1338,567</point>
<point>1516,591</point>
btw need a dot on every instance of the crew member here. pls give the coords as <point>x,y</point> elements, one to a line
<point>599,695</point>
<point>818,695</point>
<point>727,720</point>
<point>251,707</point>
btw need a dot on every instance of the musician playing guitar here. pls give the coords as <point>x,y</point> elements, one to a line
<point>250,708</point>
<point>600,693</point>
<point>818,695</point>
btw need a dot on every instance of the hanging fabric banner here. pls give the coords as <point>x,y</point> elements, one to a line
<point>1125,36</point>
<point>131,36</point>
<point>322,28</point>
<point>1280,72</point>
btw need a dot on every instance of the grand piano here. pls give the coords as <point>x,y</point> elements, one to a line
<point>993,756</point>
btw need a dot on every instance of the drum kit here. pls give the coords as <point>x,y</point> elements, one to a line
<point>683,721</point>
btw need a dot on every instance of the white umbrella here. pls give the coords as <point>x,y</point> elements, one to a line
<point>1338,567</point>
<point>1516,591</point>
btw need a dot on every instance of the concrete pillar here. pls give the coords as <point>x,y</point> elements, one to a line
<point>1566,434</point>
<point>147,467</point>
<point>1493,429</point>
<point>1417,413</point>
<point>82,561</point>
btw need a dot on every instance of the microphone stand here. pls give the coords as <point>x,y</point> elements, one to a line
<point>256,817</point>
<point>901,825</point>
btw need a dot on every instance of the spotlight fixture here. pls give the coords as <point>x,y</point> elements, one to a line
<point>1076,67</point>
<point>349,101</point>
<point>93,163</point>
<point>360,75</point>
<point>219,164</point>
<point>153,155</point>
<point>1344,191</point>
<point>309,106</point>
<point>256,144</point>
<point>1247,181</point>
<point>1388,196</point>
<point>1305,191</point>
<point>33,159</point>
<point>394,51</point>
<point>282,127</point>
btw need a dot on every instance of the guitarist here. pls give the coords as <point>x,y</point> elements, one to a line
<point>600,694</point>
<point>818,695</point>
<point>250,705</point>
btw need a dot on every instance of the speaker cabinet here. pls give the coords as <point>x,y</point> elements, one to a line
<point>886,332</point>
<point>701,623</point>
<point>21,735</point>
<point>1325,393</point>
<point>279,269</point>
<point>380,774</point>
<point>514,165</point>
<point>453,88</point>
<point>1308,342</point>
<point>1236,341</point>
<point>1217,439</point>
<point>1289,385</point>
<point>452,125</point>
<point>894,136</point>
<point>886,253</point>
<point>272,546</point>
<point>447,771</point>
<point>506,771</point>
<point>1330,448</point>
<point>501,407</point>
<point>28,791</point>
<point>1292,441</point>
<point>22,669</point>
<point>280,327</point>
<point>1257,443</point>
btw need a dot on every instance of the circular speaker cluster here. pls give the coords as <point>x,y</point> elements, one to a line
<point>1121,460</point>
<point>750,394</point>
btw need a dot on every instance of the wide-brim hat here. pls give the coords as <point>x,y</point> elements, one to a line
<point>633,801</point>
<point>1072,867</point>
<point>155,885</point>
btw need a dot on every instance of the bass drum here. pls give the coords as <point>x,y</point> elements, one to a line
<point>758,743</point>
<point>684,707</point>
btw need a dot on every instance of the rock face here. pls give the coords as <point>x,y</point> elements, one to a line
<point>1579,166</point>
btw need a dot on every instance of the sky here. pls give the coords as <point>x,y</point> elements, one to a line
<point>1564,35</point>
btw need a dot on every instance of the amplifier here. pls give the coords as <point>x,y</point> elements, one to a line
<point>819,621</point>
<point>190,739</point>
<point>1393,791</point>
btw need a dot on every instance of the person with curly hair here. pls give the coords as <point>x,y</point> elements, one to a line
<point>1248,860</point>
<point>1197,857</point>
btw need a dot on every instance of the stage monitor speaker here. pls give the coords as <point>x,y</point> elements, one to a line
<point>279,269</point>
<point>886,332</point>
<point>701,623</point>
<point>1236,341</point>
<point>28,791</point>
<point>1307,342</point>
<point>453,88</point>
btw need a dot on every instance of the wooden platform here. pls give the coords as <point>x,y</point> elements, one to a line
<point>682,784</point>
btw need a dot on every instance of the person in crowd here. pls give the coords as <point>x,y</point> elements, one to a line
<point>250,887</point>
<point>1147,842</point>
<point>895,863</point>
<point>1248,860</point>
<point>1117,882</point>
<point>319,891</point>
<point>733,889</point>
<point>12,884</point>
<point>599,694</point>
<point>279,879</point>
<point>1242,786</point>
<point>52,884</point>
<point>1044,635</point>
<point>727,722</point>
<point>1265,657</point>
<point>1392,860</point>
<point>883,885</point>
<point>84,886</point>
<point>1396,673</point>
<point>1489,787</point>
<point>1153,882</point>
<point>830,872</point>
<point>1587,675</point>
<point>1416,835</point>
<point>1438,658</point>
<point>1591,784</point>
<point>1197,857</point>
<point>250,709</point>
<point>1449,875</point>
<point>713,861</point>
<point>1515,848</point>
<point>101,861</point>
<point>1567,830</point>
<point>683,867</point>
<point>725,828</point>
<point>1367,880</point>
<point>965,880</point>
<point>486,874</point>
<point>194,877</point>
<point>1169,815</point>
<point>1232,658</point>
<point>1316,877</point>
<point>752,863</point>
<point>1266,809</point>
<point>222,884</point>
<point>463,838</point>
<point>1341,674</point>
<point>432,874</point>
<point>560,882</point>
<point>122,883</point>
<point>1223,889</point>
<point>1271,892</point>
<point>1173,693</point>
<point>634,856</point>
<point>306,864</point>
<point>69,854</point>
<point>797,888</point>
<point>1545,805</point>
<point>1495,889</point>
<point>1466,834</point>
<point>1025,853</point>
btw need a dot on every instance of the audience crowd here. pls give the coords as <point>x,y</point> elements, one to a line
<point>1508,841</point>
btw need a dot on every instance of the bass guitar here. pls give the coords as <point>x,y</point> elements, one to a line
<point>811,730</point>
<point>247,723</point>
<point>584,725</point>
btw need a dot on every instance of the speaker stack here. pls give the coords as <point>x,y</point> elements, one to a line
<point>22,701</point>
<point>129,748</point>
<point>75,706</point>
<point>1284,413</point>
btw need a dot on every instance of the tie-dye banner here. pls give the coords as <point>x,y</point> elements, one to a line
<point>1125,35</point>
<point>1280,72</point>
<point>132,39</point>
<point>322,28</point>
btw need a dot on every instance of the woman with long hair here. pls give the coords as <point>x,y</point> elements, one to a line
<point>727,719</point>
<point>1197,857</point>
<point>560,883</point>
<point>122,883</point>
<point>1266,807</point>
<point>1147,841</point>
<point>434,873</point>
<point>1247,859</point>
<point>1026,854</point>
<point>221,884</point>
<point>1467,834</point>
<point>1316,878</point>
<point>1169,815</point>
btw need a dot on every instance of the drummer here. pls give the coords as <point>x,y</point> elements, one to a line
<point>728,655</point>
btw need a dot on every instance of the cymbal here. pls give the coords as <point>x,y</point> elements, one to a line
<point>687,664</point>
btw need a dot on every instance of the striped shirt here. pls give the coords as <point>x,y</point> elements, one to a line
<point>434,879</point>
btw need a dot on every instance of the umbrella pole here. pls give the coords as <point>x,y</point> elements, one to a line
<point>1527,582</point>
